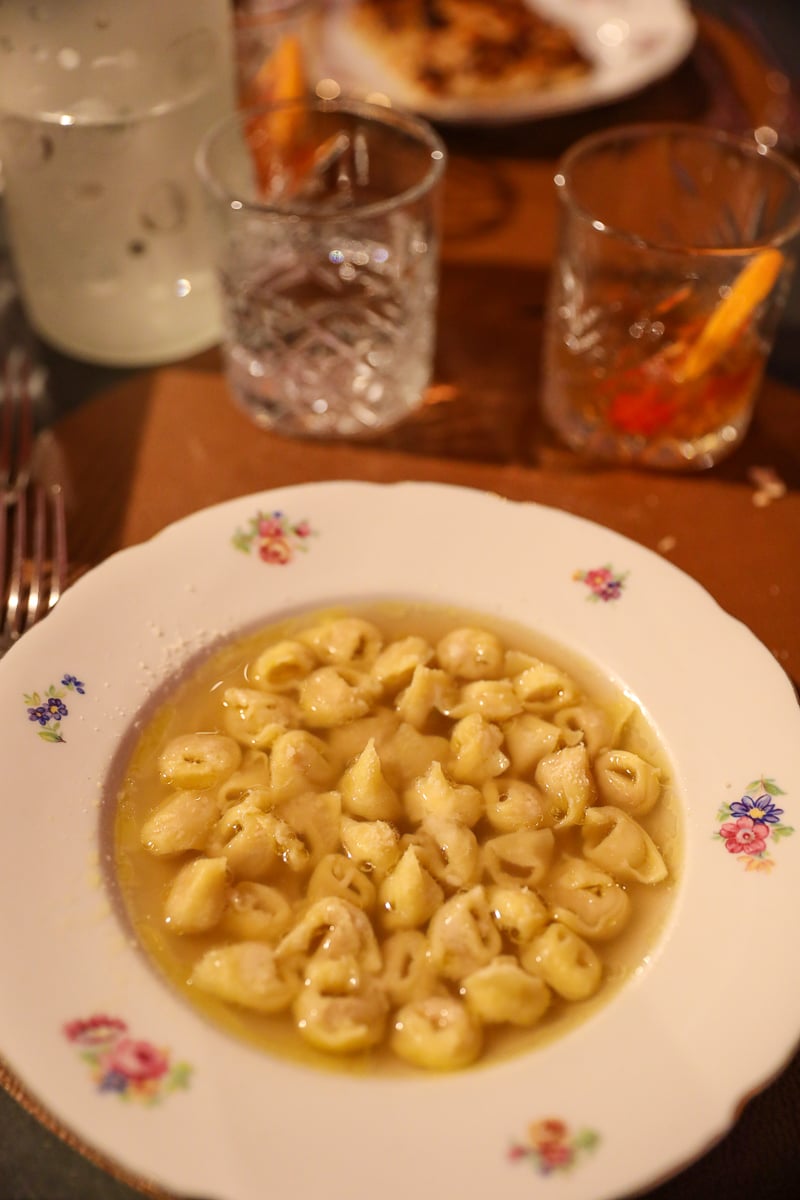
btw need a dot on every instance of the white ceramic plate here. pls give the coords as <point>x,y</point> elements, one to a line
<point>638,1090</point>
<point>631,43</point>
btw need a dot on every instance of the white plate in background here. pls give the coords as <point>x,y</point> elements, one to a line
<point>631,43</point>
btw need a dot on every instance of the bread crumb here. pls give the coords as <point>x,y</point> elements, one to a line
<point>441,393</point>
<point>667,543</point>
<point>768,484</point>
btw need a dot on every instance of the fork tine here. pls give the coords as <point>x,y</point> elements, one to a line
<point>25,421</point>
<point>33,543</point>
<point>37,558</point>
<point>14,611</point>
<point>58,577</point>
<point>36,561</point>
<point>7,428</point>
<point>3,547</point>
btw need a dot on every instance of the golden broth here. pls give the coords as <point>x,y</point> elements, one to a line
<point>145,878</point>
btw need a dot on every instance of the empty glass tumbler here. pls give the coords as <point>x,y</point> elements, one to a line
<point>676,248</point>
<point>327,251</point>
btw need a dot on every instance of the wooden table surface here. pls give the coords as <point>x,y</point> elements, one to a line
<point>138,450</point>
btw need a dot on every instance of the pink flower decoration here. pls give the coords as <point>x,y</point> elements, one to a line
<point>135,1060</point>
<point>275,550</point>
<point>273,537</point>
<point>270,527</point>
<point>555,1154</point>
<point>551,1145</point>
<point>597,576</point>
<point>95,1031</point>
<point>550,1129</point>
<point>745,836</point>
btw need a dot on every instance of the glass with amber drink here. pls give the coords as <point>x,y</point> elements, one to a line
<point>676,249</point>
<point>276,48</point>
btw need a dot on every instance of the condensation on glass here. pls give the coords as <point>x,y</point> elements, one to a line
<point>102,106</point>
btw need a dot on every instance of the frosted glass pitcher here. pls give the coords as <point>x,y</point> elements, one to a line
<point>102,105</point>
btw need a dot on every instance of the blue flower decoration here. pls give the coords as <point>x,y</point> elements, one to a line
<point>49,710</point>
<point>610,590</point>
<point>759,809</point>
<point>113,1081</point>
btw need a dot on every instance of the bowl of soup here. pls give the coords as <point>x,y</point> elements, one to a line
<point>392,833</point>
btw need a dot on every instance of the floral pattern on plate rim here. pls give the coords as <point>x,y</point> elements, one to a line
<point>274,537</point>
<point>750,825</point>
<point>550,1146</point>
<point>48,709</point>
<point>604,583</point>
<point>132,1068</point>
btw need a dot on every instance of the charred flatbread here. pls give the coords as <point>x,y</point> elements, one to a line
<point>470,48</point>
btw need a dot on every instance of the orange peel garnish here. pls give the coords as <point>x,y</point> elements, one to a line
<point>673,300</point>
<point>751,287</point>
<point>281,77</point>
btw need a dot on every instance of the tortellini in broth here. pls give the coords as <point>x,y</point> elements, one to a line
<point>400,831</point>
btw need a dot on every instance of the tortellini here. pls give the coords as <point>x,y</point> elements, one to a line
<point>463,936</point>
<point>626,781</point>
<point>365,792</point>
<point>545,689</point>
<point>587,900</point>
<point>434,795</point>
<point>337,875</point>
<point>333,696</point>
<point>477,753</point>
<point>298,761</point>
<point>256,912</point>
<point>342,1024</point>
<point>344,640</point>
<point>283,664</point>
<point>199,760</point>
<point>395,665</point>
<point>196,900</point>
<point>565,962</point>
<point>520,913</point>
<point>513,804</point>
<point>613,840</point>
<point>400,835</point>
<point>409,895</point>
<point>566,780</point>
<point>247,975</point>
<point>450,851</point>
<point>527,739</point>
<point>372,845</point>
<point>494,699</point>
<point>257,718</point>
<point>250,781</point>
<point>331,928</point>
<point>252,842</point>
<point>408,973</point>
<point>438,1032</point>
<point>503,992</point>
<point>520,858</point>
<point>471,654</point>
<point>181,822</point>
<point>430,690</point>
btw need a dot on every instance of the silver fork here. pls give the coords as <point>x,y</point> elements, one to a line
<point>33,541</point>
